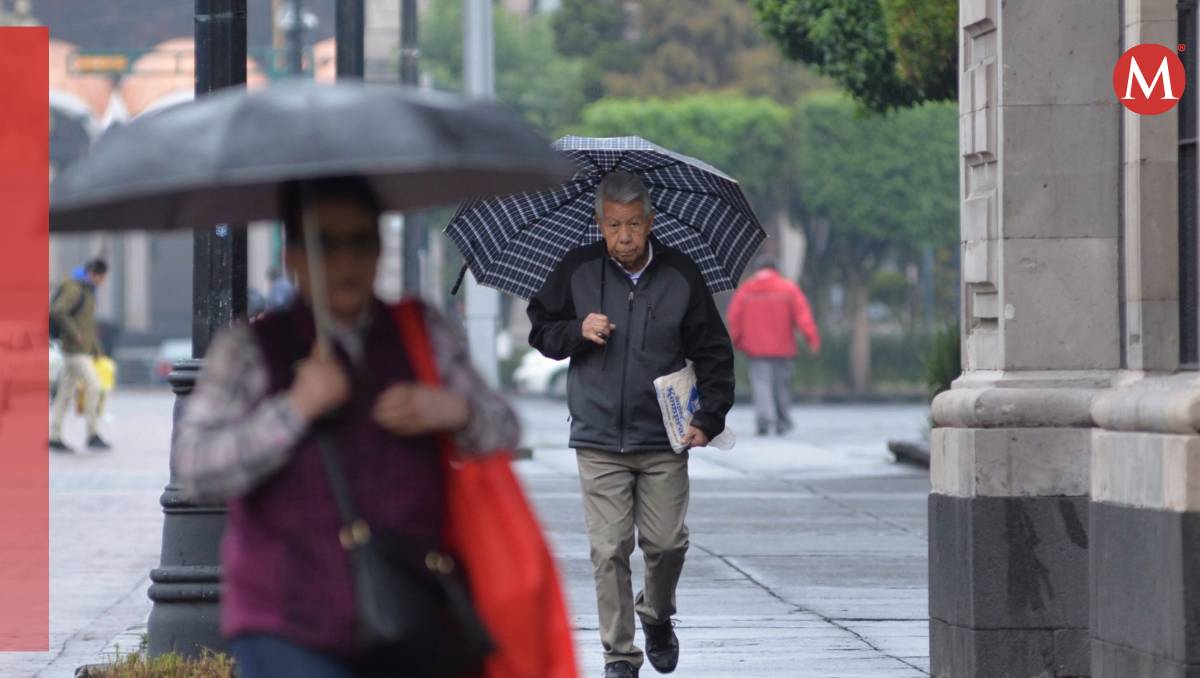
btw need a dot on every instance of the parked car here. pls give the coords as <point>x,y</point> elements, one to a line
<point>537,374</point>
<point>169,352</point>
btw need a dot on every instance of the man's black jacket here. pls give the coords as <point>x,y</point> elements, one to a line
<point>669,316</point>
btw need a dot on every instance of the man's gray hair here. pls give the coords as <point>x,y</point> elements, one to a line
<point>623,188</point>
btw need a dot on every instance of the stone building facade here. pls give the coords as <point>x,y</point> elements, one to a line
<point>1065,512</point>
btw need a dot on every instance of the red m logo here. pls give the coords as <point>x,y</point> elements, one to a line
<point>1155,95</point>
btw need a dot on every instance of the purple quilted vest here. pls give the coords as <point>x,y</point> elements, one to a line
<point>283,570</point>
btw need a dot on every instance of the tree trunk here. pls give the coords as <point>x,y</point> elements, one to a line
<point>860,337</point>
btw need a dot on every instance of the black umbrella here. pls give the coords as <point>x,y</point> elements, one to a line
<point>513,243</point>
<point>226,157</point>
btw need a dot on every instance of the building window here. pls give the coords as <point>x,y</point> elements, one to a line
<point>1189,285</point>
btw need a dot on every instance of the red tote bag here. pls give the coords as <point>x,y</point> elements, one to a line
<point>492,530</point>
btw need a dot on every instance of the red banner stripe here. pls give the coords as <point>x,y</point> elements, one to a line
<point>24,296</point>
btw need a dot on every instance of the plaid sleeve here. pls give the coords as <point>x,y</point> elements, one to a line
<point>230,438</point>
<point>492,425</point>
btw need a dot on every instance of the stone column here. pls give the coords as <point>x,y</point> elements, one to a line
<point>1145,489</point>
<point>382,40</point>
<point>1040,187</point>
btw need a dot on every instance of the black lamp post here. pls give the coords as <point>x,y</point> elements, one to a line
<point>414,230</point>
<point>349,29</point>
<point>186,585</point>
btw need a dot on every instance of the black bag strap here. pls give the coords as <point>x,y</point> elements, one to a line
<point>355,531</point>
<point>83,292</point>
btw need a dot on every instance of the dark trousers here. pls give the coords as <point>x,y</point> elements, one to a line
<point>262,656</point>
<point>268,656</point>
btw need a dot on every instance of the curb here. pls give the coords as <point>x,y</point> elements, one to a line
<point>909,452</point>
<point>123,644</point>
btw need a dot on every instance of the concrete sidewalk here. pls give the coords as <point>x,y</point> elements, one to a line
<point>808,554</point>
<point>821,579</point>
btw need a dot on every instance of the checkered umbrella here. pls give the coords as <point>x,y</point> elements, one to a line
<point>513,243</point>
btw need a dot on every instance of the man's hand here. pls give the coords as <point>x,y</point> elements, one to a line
<point>414,409</point>
<point>320,387</point>
<point>694,437</point>
<point>597,329</point>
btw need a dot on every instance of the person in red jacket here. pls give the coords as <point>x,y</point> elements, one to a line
<point>764,315</point>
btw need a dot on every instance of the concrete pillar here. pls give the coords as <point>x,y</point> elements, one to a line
<point>137,282</point>
<point>1145,488</point>
<point>259,251</point>
<point>1040,170</point>
<point>388,279</point>
<point>382,36</point>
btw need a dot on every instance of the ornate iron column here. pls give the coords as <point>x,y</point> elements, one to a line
<point>186,585</point>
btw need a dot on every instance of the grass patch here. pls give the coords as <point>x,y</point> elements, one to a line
<point>137,665</point>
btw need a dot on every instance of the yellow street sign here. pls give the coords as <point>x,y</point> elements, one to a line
<point>99,63</point>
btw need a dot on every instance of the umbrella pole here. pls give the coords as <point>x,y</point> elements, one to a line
<point>316,278</point>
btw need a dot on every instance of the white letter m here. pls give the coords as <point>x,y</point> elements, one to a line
<point>1164,73</point>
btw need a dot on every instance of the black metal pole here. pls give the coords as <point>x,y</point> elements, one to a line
<point>219,255</point>
<point>410,52</point>
<point>186,585</point>
<point>414,230</point>
<point>350,35</point>
<point>295,38</point>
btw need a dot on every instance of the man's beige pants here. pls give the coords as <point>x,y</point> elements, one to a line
<point>76,368</point>
<point>649,491</point>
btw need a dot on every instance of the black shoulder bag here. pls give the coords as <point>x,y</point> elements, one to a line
<point>412,602</point>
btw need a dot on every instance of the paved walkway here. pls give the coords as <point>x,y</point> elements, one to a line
<point>808,555</point>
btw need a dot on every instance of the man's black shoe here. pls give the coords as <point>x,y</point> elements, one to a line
<point>784,428</point>
<point>620,670</point>
<point>662,646</point>
<point>60,446</point>
<point>95,442</point>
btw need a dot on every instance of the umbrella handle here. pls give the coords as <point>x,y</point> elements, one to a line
<point>316,278</point>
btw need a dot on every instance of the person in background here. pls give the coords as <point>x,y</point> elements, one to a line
<point>764,316</point>
<point>256,304</point>
<point>73,310</point>
<point>280,290</point>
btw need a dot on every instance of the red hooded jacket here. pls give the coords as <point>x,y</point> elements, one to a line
<point>765,313</point>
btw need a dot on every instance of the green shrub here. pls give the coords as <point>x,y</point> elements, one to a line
<point>896,365</point>
<point>943,360</point>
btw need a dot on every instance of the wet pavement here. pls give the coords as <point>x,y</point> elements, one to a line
<point>808,553</point>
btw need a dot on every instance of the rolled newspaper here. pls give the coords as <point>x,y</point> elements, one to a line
<point>679,398</point>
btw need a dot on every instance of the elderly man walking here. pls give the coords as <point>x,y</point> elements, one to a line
<point>626,310</point>
<point>764,316</point>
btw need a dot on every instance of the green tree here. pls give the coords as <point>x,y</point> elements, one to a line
<point>874,188</point>
<point>594,31</point>
<point>923,35</point>
<point>849,41</point>
<point>656,48</point>
<point>748,138</point>
<point>531,76</point>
